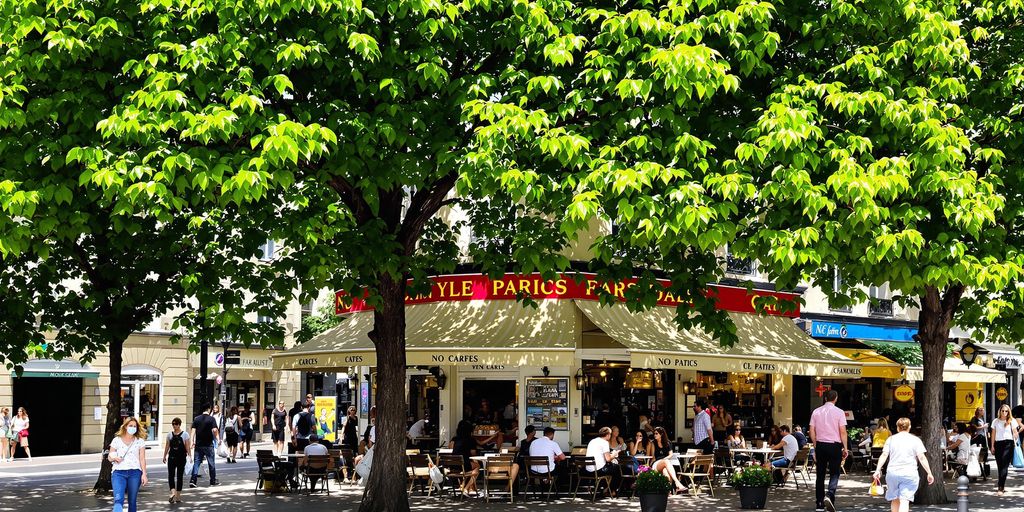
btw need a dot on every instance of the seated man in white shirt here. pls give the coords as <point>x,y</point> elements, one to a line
<point>600,449</point>
<point>545,446</point>
<point>789,446</point>
<point>416,431</point>
<point>314,448</point>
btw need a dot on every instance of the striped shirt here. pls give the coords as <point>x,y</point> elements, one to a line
<point>701,426</point>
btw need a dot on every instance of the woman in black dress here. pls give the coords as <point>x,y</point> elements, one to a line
<point>663,456</point>
<point>464,444</point>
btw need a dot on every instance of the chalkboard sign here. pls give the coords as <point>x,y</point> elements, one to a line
<point>547,402</point>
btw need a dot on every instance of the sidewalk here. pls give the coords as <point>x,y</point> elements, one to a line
<point>237,495</point>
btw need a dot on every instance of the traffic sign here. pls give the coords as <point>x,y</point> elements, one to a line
<point>903,393</point>
<point>232,356</point>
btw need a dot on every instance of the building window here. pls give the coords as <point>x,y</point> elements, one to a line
<point>740,266</point>
<point>837,284</point>
<point>264,319</point>
<point>879,303</point>
<point>267,250</point>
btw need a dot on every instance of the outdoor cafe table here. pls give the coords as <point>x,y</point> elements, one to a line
<point>765,453</point>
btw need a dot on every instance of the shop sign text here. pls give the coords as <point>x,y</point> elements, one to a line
<point>903,393</point>
<point>677,362</point>
<point>761,367</point>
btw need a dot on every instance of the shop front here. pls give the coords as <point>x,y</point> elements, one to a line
<point>573,364</point>
<point>251,383</point>
<point>51,392</point>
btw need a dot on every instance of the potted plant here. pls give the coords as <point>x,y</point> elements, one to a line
<point>752,483</point>
<point>653,488</point>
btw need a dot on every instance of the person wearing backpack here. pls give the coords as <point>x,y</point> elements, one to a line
<point>176,453</point>
<point>302,425</point>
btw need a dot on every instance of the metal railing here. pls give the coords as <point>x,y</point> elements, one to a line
<point>880,307</point>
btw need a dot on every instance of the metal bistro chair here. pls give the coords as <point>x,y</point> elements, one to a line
<point>455,473</point>
<point>269,472</point>
<point>595,480</point>
<point>578,450</point>
<point>543,480</point>
<point>347,458</point>
<point>499,470</point>
<point>316,467</point>
<point>701,469</point>
<point>801,467</point>
<point>419,473</point>
<point>335,465</point>
<point>626,474</point>
<point>724,463</point>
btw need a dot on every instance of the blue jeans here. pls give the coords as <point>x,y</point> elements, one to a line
<point>126,480</point>
<point>208,453</point>
<point>780,462</point>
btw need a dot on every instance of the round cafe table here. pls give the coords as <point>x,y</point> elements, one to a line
<point>764,453</point>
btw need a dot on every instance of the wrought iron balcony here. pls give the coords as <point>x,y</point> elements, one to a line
<point>741,266</point>
<point>880,307</point>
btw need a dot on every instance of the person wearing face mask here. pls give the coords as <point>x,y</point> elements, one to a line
<point>128,455</point>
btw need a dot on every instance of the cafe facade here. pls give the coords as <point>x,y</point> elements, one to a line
<point>570,362</point>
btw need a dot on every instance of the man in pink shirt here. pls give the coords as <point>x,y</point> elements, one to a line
<point>828,435</point>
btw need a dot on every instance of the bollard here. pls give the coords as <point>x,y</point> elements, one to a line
<point>961,493</point>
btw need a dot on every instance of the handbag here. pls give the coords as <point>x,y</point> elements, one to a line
<point>11,434</point>
<point>436,475</point>
<point>876,489</point>
<point>1018,457</point>
<point>973,467</point>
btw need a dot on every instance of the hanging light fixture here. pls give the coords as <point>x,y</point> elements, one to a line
<point>581,379</point>
<point>353,381</point>
<point>968,353</point>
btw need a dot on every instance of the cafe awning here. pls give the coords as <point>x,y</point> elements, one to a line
<point>472,333</point>
<point>872,363</point>
<point>57,369</point>
<point>767,344</point>
<point>954,370</point>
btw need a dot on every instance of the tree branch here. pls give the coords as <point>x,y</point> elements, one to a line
<point>424,205</point>
<point>352,198</point>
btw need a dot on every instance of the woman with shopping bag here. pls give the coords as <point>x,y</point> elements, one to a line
<point>903,451</point>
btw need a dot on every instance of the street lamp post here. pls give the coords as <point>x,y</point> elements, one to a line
<point>203,369</point>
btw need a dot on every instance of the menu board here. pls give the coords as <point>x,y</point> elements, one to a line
<point>547,402</point>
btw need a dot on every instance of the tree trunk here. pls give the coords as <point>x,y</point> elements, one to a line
<point>934,322</point>
<point>103,484</point>
<point>386,487</point>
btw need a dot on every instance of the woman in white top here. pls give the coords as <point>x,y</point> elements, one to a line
<point>128,454</point>
<point>1005,431</point>
<point>5,428</point>
<point>961,442</point>
<point>20,427</point>
<point>903,451</point>
<point>231,434</point>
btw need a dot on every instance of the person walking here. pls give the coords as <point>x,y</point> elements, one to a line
<point>6,433</point>
<point>128,455</point>
<point>20,425</point>
<point>231,434</point>
<point>278,424</point>
<point>350,430</point>
<point>302,426</point>
<point>204,432</point>
<point>1005,431</point>
<point>702,428</point>
<point>176,453</point>
<point>903,451</point>
<point>828,435</point>
<point>245,432</point>
<point>218,418</point>
<point>981,427</point>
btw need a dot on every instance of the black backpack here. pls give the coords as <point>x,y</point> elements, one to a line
<point>305,424</point>
<point>177,451</point>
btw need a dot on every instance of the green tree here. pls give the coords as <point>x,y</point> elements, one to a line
<point>353,125</point>
<point>82,268</point>
<point>324,319</point>
<point>889,152</point>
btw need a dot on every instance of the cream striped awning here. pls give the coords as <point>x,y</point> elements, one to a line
<point>767,344</point>
<point>954,370</point>
<point>484,332</point>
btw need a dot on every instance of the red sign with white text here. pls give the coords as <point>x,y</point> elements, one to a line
<point>466,287</point>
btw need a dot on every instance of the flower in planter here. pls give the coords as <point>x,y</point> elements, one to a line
<point>751,476</point>
<point>649,481</point>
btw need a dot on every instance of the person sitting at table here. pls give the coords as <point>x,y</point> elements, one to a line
<point>661,448</point>
<point>416,431</point>
<point>961,445</point>
<point>464,444</point>
<point>315,447</point>
<point>789,447</point>
<point>641,446</point>
<point>616,442</point>
<point>798,433</point>
<point>864,446</point>
<point>775,436</point>
<point>735,441</point>
<point>545,446</point>
<point>524,445</point>
<point>881,434</point>
<point>484,415</point>
<point>599,448</point>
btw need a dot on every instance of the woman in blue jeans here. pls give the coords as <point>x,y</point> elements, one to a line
<point>128,454</point>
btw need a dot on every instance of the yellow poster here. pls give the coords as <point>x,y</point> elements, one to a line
<point>326,416</point>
